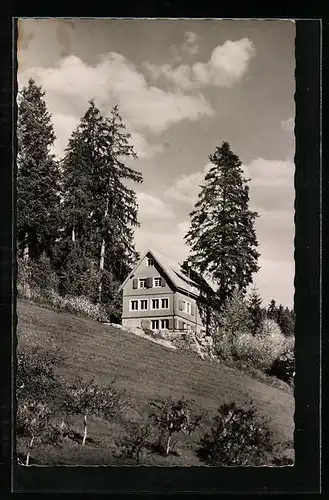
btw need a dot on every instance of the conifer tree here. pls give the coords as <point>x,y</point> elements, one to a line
<point>38,176</point>
<point>100,210</point>
<point>222,236</point>
<point>272,311</point>
<point>256,311</point>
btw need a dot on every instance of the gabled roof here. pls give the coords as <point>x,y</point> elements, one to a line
<point>172,270</point>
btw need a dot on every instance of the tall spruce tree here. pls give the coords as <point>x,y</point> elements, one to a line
<point>222,236</point>
<point>272,311</point>
<point>38,176</point>
<point>100,210</point>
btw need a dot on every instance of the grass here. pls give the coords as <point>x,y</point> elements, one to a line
<point>145,370</point>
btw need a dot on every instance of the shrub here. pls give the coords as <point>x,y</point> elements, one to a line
<point>88,398</point>
<point>35,279</point>
<point>136,441</point>
<point>33,421</point>
<point>173,417</point>
<point>284,365</point>
<point>82,305</point>
<point>238,437</point>
<point>35,376</point>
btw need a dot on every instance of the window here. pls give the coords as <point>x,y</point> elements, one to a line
<point>155,324</point>
<point>142,283</point>
<point>165,323</point>
<point>143,304</point>
<point>134,305</point>
<point>155,303</point>
<point>157,282</point>
<point>164,303</point>
<point>150,262</point>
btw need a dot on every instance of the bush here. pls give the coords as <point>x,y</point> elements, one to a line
<point>238,437</point>
<point>173,417</point>
<point>284,365</point>
<point>136,441</point>
<point>35,279</point>
<point>82,305</point>
<point>35,376</point>
<point>88,398</point>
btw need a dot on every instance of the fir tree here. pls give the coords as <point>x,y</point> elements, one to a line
<point>272,311</point>
<point>100,210</point>
<point>222,236</point>
<point>38,176</point>
<point>256,311</point>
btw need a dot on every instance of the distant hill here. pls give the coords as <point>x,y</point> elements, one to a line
<point>146,370</point>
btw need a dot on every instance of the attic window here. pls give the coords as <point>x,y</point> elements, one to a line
<point>150,262</point>
<point>142,283</point>
<point>157,282</point>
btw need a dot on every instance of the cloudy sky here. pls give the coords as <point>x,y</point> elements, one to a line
<point>183,87</point>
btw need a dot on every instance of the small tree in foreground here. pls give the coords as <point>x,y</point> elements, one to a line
<point>88,398</point>
<point>173,417</point>
<point>238,437</point>
<point>136,441</point>
<point>33,421</point>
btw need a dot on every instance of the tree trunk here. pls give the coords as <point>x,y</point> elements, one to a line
<point>73,235</point>
<point>101,268</point>
<point>29,451</point>
<point>26,248</point>
<point>85,430</point>
<point>168,445</point>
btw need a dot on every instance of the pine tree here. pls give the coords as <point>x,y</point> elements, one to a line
<point>38,176</point>
<point>100,210</point>
<point>256,311</point>
<point>272,311</point>
<point>222,236</point>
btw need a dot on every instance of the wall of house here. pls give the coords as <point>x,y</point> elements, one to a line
<point>145,271</point>
<point>192,319</point>
<point>149,312</point>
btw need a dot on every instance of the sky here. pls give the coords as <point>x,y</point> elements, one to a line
<point>182,87</point>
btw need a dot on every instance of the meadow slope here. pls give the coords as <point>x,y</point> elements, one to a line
<point>146,370</point>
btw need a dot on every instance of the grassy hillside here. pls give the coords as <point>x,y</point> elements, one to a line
<point>146,370</point>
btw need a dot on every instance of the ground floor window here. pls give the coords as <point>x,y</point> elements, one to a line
<point>155,324</point>
<point>165,323</point>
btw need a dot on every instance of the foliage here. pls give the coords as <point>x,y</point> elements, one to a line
<point>222,236</point>
<point>261,350</point>
<point>88,398</point>
<point>284,317</point>
<point>35,278</point>
<point>233,321</point>
<point>33,421</point>
<point>256,311</point>
<point>99,210</point>
<point>38,176</point>
<point>238,437</point>
<point>173,417</point>
<point>35,377</point>
<point>136,441</point>
<point>82,305</point>
<point>284,365</point>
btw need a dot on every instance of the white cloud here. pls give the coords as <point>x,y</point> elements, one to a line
<point>187,187</point>
<point>227,65</point>
<point>115,80</point>
<point>153,209</point>
<point>288,125</point>
<point>143,148</point>
<point>190,44</point>
<point>170,243</point>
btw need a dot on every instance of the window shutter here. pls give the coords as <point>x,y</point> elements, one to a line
<point>170,324</point>
<point>180,325</point>
<point>149,282</point>
<point>175,324</point>
<point>135,283</point>
<point>192,309</point>
<point>163,282</point>
<point>181,305</point>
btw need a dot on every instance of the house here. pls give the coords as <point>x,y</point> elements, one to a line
<point>158,294</point>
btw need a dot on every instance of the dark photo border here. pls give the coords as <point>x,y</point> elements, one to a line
<point>304,476</point>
